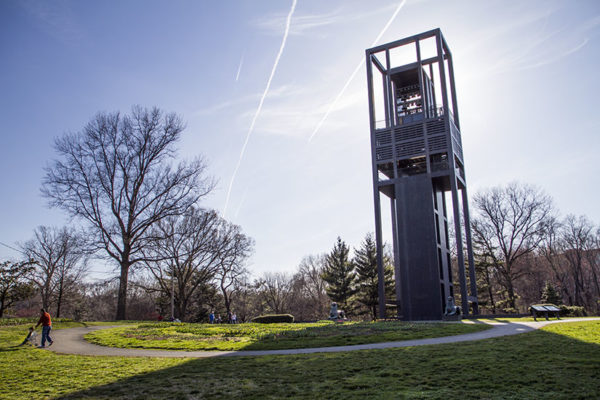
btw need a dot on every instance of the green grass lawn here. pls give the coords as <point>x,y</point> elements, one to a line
<point>519,319</point>
<point>183,336</point>
<point>562,361</point>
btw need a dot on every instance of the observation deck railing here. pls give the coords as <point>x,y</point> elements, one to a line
<point>431,113</point>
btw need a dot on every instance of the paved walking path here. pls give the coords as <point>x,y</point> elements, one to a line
<point>71,341</point>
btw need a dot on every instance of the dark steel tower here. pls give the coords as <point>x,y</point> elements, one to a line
<point>417,158</point>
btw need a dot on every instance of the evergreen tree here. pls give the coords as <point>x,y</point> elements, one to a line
<point>551,295</point>
<point>339,275</point>
<point>365,262</point>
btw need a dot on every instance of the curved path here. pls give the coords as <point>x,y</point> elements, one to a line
<point>71,341</point>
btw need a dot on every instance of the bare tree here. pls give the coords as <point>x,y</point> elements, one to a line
<point>510,224</point>
<point>246,300</point>
<point>231,271</point>
<point>60,261</point>
<point>551,250</point>
<point>571,251</point>
<point>593,258</point>
<point>14,283</point>
<point>309,298</point>
<point>185,255</point>
<point>116,175</point>
<point>577,242</point>
<point>275,290</point>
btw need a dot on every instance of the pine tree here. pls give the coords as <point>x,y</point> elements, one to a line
<point>339,275</point>
<point>551,295</point>
<point>365,263</point>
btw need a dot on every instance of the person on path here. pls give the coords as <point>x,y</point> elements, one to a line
<point>46,323</point>
<point>211,317</point>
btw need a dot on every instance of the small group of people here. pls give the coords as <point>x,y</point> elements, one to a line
<point>231,318</point>
<point>170,319</point>
<point>46,323</point>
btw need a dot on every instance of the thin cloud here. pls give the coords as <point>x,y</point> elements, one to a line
<point>310,23</point>
<point>57,19</point>
<point>297,116</point>
<point>237,75</point>
<point>358,66</point>
<point>302,24</point>
<point>262,99</point>
<point>236,102</point>
<point>241,203</point>
<point>556,58</point>
<point>537,49</point>
<point>225,105</point>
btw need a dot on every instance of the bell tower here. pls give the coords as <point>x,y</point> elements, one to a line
<point>418,163</point>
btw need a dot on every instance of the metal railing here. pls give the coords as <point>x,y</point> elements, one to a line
<point>434,112</point>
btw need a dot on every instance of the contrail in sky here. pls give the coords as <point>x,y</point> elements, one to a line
<point>237,76</point>
<point>260,104</point>
<point>360,64</point>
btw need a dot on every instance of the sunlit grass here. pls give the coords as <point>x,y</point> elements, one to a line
<point>521,319</point>
<point>181,336</point>
<point>562,361</point>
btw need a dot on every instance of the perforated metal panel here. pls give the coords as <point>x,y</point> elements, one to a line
<point>455,133</point>
<point>457,148</point>
<point>410,149</point>
<point>437,143</point>
<point>436,127</point>
<point>383,137</point>
<point>384,153</point>
<point>409,132</point>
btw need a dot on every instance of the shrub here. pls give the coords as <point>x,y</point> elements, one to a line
<point>572,311</point>
<point>274,319</point>
<point>28,321</point>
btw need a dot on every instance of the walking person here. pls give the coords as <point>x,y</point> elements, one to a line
<point>46,323</point>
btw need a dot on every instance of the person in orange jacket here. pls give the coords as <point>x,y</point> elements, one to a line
<point>46,323</point>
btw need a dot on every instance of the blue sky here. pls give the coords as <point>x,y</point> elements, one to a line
<point>526,76</point>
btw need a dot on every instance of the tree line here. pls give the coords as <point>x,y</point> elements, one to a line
<point>194,269</point>
<point>194,264</point>
<point>523,248</point>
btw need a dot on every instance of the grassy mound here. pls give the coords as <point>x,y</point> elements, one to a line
<point>252,336</point>
<point>561,361</point>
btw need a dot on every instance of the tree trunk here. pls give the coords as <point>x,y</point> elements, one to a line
<point>595,276</point>
<point>46,297</point>
<point>226,301</point>
<point>59,300</point>
<point>2,304</point>
<point>511,293</point>
<point>225,295</point>
<point>491,294</point>
<point>488,281</point>
<point>122,299</point>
